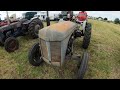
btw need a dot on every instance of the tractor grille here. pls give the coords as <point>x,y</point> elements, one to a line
<point>44,48</point>
<point>55,48</point>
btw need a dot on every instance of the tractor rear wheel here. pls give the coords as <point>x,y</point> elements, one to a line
<point>87,36</point>
<point>11,44</point>
<point>34,28</point>
<point>35,55</point>
<point>83,65</point>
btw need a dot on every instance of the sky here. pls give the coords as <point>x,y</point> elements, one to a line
<point>111,15</point>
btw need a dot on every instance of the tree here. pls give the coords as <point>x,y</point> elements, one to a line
<point>105,19</point>
<point>99,18</point>
<point>116,21</point>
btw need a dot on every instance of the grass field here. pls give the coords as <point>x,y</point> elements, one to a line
<point>104,63</point>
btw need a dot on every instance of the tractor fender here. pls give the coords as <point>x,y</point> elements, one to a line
<point>23,20</point>
<point>29,21</point>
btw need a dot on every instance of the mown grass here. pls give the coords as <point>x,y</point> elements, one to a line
<point>104,63</point>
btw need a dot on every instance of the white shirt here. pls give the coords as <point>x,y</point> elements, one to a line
<point>68,16</point>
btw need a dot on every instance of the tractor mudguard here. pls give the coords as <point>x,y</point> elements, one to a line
<point>29,21</point>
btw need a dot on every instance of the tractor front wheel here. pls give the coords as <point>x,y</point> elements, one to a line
<point>35,55</point>
<point>87,36</point>
<point>11,44</point>
<point>83,66</point>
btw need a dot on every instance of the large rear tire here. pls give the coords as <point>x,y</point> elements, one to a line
<point>35,55</point>
<point>87,36</point>
<point>83,66</point>
<point>11,44</point>
<point>34,28</point>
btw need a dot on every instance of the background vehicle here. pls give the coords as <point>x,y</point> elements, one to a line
<point>56,45</point>
<point>28,25</point>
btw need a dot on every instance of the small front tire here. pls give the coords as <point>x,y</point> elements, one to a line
<point>35,55</point>
<point>87,36</point>
<point>11,44</point>
<point>83,66</point>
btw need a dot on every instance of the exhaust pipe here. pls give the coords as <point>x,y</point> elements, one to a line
<point>8,21</point>
<point>48,19</point>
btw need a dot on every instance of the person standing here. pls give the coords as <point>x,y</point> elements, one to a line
<point>82,19</point>
<point>82,16</point>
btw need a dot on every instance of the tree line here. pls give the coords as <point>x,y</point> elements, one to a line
<point>117,21</point>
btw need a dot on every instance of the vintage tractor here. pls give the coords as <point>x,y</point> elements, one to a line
<point>25,26</point>
<point>55,45</point>
<point>67,15</point>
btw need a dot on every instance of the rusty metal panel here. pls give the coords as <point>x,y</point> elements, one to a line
<point>44,49</point>
<point>58,31</point>
<point>55,48</point>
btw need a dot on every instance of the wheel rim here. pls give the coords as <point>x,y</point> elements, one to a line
<point>12,45</point>
<point>37,27</point>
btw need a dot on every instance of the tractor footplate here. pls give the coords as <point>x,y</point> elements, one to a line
<point>73,57</point>
<point>76,57</point>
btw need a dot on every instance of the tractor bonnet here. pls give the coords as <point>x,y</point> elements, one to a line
<point>57,32</point>
<point>53,41</point>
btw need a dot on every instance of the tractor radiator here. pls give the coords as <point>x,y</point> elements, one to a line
<point>55,48</point>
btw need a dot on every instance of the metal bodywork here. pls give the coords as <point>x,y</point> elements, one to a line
<point>54,41</point>
<point>8,28</point>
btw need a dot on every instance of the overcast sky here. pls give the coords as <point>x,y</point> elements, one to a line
<point>111,15</point>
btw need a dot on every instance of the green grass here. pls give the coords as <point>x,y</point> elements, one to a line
<point>104,63</point>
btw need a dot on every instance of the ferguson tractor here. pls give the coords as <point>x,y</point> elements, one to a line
<point>55,45</point>
<point>25,26</point>
<point>67,15</point>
